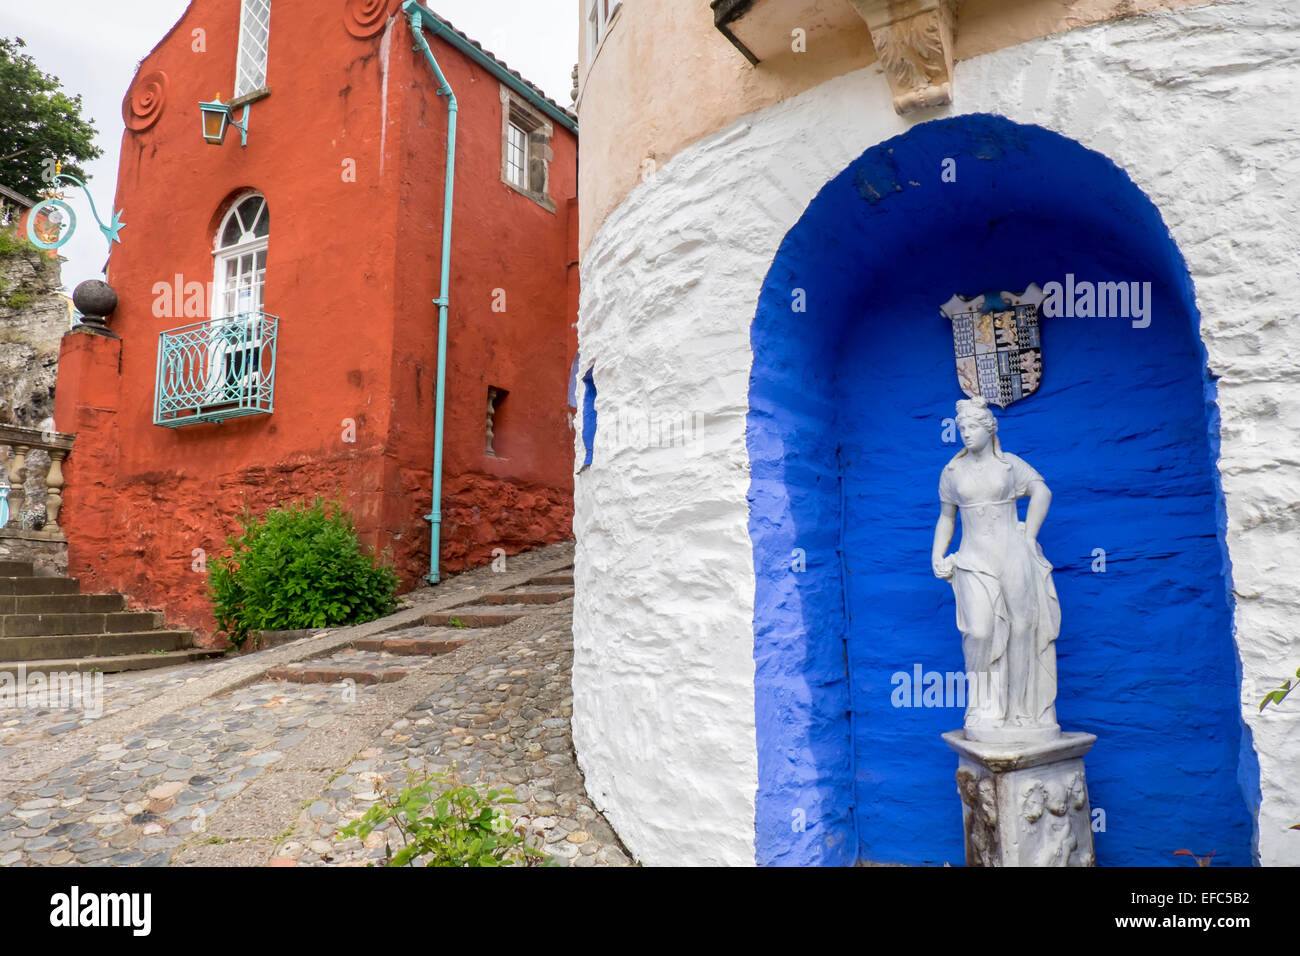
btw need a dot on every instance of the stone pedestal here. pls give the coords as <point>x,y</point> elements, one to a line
<point>1025,804</point>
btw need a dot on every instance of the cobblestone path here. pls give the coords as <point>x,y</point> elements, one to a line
<point>267,772</point>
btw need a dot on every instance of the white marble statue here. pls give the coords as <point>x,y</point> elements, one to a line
<point>1007,609</point>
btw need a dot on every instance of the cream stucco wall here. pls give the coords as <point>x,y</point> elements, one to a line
<point>1196,105</point>
<point>663,77</point>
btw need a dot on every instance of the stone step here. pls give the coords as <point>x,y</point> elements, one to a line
<point>10,568</point>
<point>334,672</point>
<point>25,585</point>
<point>111,665</point>
<point>557,577</point>
<point>67,646</point>
<point>551,595</point>
<point>477,616</point>
<point>409,646</point>
<point>61,603</point>
<point>113,622</point>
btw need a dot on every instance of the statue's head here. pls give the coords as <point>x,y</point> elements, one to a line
<point>1078,791</point>
<point>976,423</point>
<point>1032,801</point>
<point>1057,798</point>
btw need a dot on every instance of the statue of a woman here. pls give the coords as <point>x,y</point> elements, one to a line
<point>1007,609</point>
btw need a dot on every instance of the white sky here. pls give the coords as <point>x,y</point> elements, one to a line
<point>93,47</point>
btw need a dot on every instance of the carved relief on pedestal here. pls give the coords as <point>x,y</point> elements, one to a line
<point>914,43</point>
<point>1053,811</point>
<point>979,794</point>
<point>1025,805</point>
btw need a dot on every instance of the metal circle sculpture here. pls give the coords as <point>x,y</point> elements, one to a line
<point>366,18</point>
<point>51,223</point>
<point>145,101</point>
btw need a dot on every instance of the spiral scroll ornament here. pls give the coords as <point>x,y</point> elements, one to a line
<point>145,101</point>
<point>365,18</point>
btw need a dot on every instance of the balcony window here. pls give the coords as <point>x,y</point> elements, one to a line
<point>215,370</point>
<point>225,367</point>
<point>240,257</point>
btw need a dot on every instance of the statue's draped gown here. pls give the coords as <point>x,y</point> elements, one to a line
<point>1007,609</point>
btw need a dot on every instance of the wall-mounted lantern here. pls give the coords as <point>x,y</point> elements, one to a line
<point>217,120</point>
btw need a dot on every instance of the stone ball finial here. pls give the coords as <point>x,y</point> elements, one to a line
<point>95,300</point>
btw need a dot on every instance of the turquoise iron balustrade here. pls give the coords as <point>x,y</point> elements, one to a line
<point>214,370</point>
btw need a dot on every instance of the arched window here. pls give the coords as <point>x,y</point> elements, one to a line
<point>240,255</point>
<point>237,337</point>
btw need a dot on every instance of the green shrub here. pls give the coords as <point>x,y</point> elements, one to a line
<point>456,825</point>
<point>13,243</point>
<point>300,566</point>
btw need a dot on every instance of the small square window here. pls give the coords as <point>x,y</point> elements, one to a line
<point>525,149</point>
<point>517,156</point>
<point>496,422</point>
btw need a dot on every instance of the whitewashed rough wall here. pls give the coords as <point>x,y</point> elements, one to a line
<point>1199,106</point>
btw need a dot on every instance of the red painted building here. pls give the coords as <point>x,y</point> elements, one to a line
<point>303,267</point>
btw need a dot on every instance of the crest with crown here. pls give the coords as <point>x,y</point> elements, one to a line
<point>997,344</point>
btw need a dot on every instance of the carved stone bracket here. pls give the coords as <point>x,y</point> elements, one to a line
<point>914,43</point>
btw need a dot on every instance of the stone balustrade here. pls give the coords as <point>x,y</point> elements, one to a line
<point>33,462</point>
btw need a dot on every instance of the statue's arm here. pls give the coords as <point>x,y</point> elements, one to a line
<point>1040,498</point>
<point>943,530</point>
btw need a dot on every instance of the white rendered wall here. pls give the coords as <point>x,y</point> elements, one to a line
<point>1199,107</point>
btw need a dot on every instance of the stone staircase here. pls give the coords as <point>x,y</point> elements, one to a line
<point>47,625</point>
<point>391,655</point>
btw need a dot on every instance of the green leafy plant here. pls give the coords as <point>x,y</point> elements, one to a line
<point>450,824</point>
<point>18,295</point>
<point>11,244</point>
<point>1279,695</point>
<point>1276,697</point>
<point>457,622</point>
<point>299,566</point>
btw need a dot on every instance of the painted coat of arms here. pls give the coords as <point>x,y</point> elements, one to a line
<point>997,343</point>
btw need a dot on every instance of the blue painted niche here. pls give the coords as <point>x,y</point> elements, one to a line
<point>589,416</point>
<point>853,376</point>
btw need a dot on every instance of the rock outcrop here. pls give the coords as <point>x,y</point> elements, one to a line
<point>33,319</point>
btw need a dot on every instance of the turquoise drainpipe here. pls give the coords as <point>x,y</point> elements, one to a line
<point>415,13</point>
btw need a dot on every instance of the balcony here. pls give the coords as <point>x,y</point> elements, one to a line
<point>215,370</point>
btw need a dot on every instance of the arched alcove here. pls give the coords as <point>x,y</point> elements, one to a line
<point>852,379</point>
